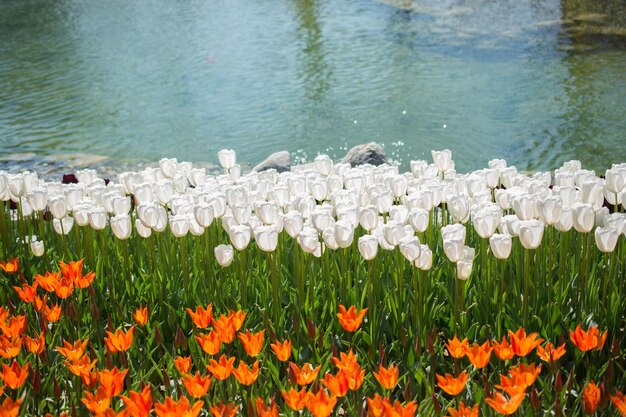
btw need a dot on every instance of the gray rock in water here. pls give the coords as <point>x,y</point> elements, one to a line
<point>369,153</point>
<point>280,161</point>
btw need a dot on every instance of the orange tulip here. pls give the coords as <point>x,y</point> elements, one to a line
<point>350,320</point>
<point>591,339</point>
<point>503,350</point>
<point>619,401</point>
<point>224,410</point>
<point>11,266</point>
<point>464,411</point>
<point>245,375</point>
<point>337,385</point>
<point>479,355</point>
<point>74,272</point>
<point>10,408</point>
<point>522,344</point>
<point>141,316</point>
<point>10,347</point>
<point>48,281</point>
<point>40,303</point>
<point>139,404</point>
<point>112,381</point>
<point>197,386</point>
<point>252,342</point>
<point>375,406</point>
<point>264,410</point>
<point>282,350</point>
<point>202,317</point>
<point>210,343</point>
<point>183,364</point>
<point>503,405</point>
<point>354,376</point>
<point>452,385</point>
<point>320,404</point>
<point>73,352</point>
<point>182,408</point>
<point>346,361</point>
<point>306,374</point>
<point>387,377</point>
<point>296,400</point>
<point>14,327</point>
<point>89,378</point>
<point>225,328</point>
<point>64,287</point>
<point>80,366</point>
<point>591,397</point>
<point>525,373</point>
<point>97,403</point>
<point>52,313</point>
<point>14,375</point>
<point>36,344</point>
<point>27,293</point>
<point>397,409</point>
<point>457,348</point>
<point>222,369</point>
<point>119,341</point>
<point>513,385</point>
<point>549,353</point>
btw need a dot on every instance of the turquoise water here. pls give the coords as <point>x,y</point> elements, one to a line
<point>535,82</point>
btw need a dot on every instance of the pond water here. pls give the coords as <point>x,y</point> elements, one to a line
<point>537,82</point>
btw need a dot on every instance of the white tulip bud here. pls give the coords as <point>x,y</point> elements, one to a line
<point>399,214</point>
<point>383,201</point>
<point>179,225</point>
<point>234,173</point>
<point>443,159</point>
<point>368,217</point>
<point>453,249</point>
<point>485,222</point>
<point>334,183</point>
<point>224,255</point>
<point>203,213</point>
<point>86,176</point>
<point>530,233</point>
<point>63,226</point>
<point>566,220</point>
<point>454,231</point>
<point>419,219</point>
<point>410,248</point>
<point>266,238</point>
<point>344,233</point>
<point>218,203</point>
<point>266,212</point>
<point>143,193</point>
<point>240,235</point>
<point>459,206</point>
<point>550,209</point>
<point>329,238</point>
<point>168,166</point>
<point>464,265</point>
<point>97,218</point>
<point>615,180</point>
<point>57,207</point>
<point>16,185</point>
<point>121,205</point>
<point>197,177</point>
<point>525,207</point>
<point>583,217</point>
<point>309,240</point>
<point>319,189</point>
<point>393,232</point>
<point>227,158</point>
<point>37,198</point>
<point>606,238</point>
<point>323,164</point>
<point>501,245</point>
<point>121,226</point>
<point>37,248</point>
<point>368,247</point>
<point>142,230</point>
<point>293,223</point>
<point>425,261</point>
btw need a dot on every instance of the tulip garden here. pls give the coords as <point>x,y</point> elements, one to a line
<point>326,290</point>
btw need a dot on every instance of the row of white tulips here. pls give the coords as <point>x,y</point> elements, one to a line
<point>320,205</point>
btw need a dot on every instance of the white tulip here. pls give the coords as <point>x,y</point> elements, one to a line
<point>410,248</point>
<point>425,260</point>
<point>164,191</point>
<point>240,235</point>
<point>293,223</point>
<point>606,238</point>
<point>63,226</point>
<point>583,217</point>
<point>179,224</point>
<point>266,238</point>
<point>235,173</point>
<point>319,189</point>
<point>510,224</point>
<point>459,206</point>
<point>485,222</point>
<point>348,213</point>
<point>142,230</point>
<point>501,244</point>
<point>74,195</point>
<point>525,207</point>
<point>530,233</point>
<point>143,193</point>
<point>368,247</point>
<point>497,164</point>
<point>86,176</point>
<point>57,207</point>
<point>227,158</point>
<point>344,233</point>
<point>168,166</point>
<point>241,212</point>
<point>566,220</point>
<point>443,159</point>
<point>368,217</point>
<point>37,247</point>
<point>550,209</point>
<point>464,265</point>
<point>453,231</point>
<point>309,240</point>
<point>323,164</point>
<point>224,255</point>
<point>203,213</point>
<point>617,221</point>
<point>121,226</point>
<point>329,238</point>
<point>383,201</point>
<point>419,219</point>
<point>334,183</point>
<point>615,180</point>
<point>16,185</point>
<point>194,227</point>
<point>121,205</point>
<point>399,214</point>
<point>453,249</point>
<point>321,218</point>
<point>393,232</point>
<point>97,218</point>
<point>218,204</point>
<point>37,198</point>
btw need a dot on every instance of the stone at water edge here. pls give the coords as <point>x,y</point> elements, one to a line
<point>369,153</point>
<point>280,161</point>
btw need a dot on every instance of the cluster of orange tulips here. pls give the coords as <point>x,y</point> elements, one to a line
<point>66,371</point>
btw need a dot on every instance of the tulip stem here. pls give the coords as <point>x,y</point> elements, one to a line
<point>3,231</point>
<point>126,263</point>
<point>526,286</point>
<point>185,265</point>
<point>275,292</point>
